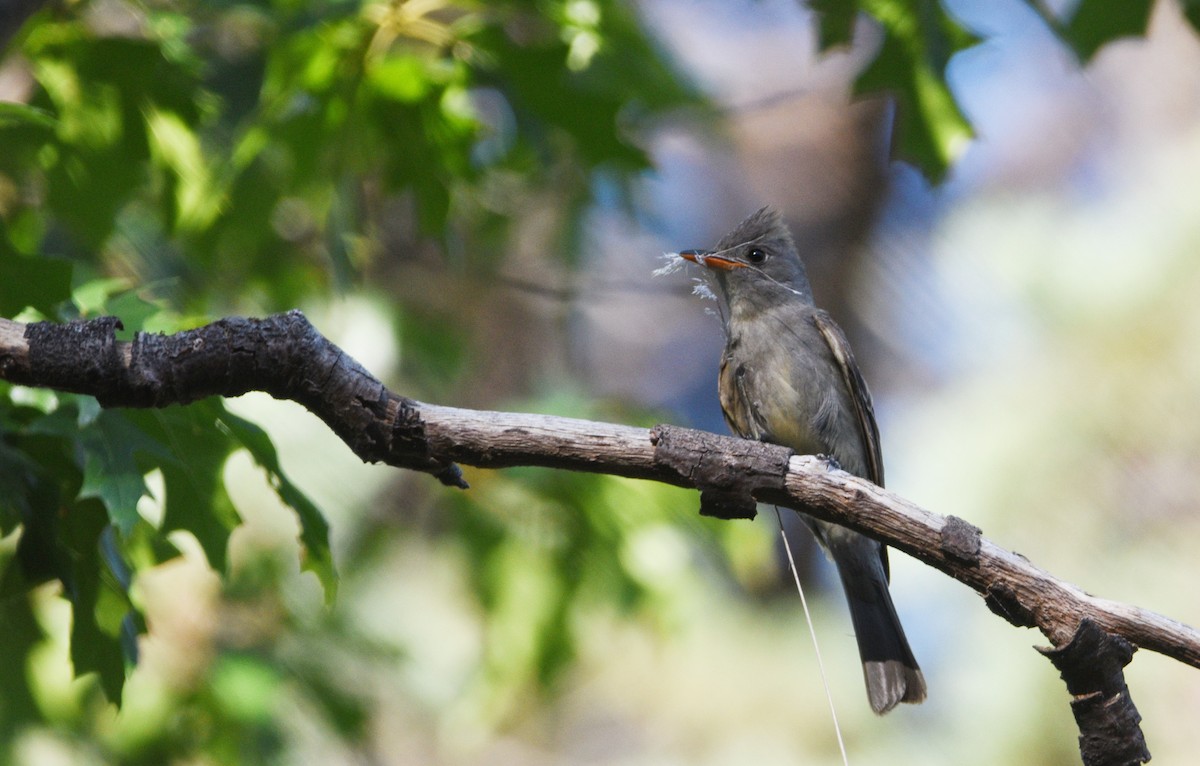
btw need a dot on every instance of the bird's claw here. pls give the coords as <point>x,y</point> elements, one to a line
<point>830,462</point>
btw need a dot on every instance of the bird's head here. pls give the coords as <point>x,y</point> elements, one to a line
<point>756,261</point>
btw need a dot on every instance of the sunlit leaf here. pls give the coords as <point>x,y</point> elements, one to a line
<point>930,129</point>
<point>176,146</point>
<point>134,311</point>
<point>196,500</point>
<point>100,90</point>
<point>404,78</point>
<point>246,687</point>
<point>314,529</point>
<point>12,114</point>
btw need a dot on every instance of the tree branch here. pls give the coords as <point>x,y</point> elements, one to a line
<point>286,357</point>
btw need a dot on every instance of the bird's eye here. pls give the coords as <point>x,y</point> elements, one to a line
<point>757,255</point>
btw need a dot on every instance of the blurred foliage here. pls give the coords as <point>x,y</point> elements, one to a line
<point>75,488</point>
<point>1096,22</point>
<point>919,39</point>
<point>255,156</point>
<point>920,36</point>
<point>250,144</point>
<point>239,156</point>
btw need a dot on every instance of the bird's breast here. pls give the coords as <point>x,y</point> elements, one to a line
<point>770,391</point>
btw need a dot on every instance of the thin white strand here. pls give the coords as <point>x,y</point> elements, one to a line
<point>702,289</point>
<point>792,290</point>
<point>673,262</point>
<point>755,268</point>
<point>813,632</point>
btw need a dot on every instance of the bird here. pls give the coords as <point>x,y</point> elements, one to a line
<point>787,376</point>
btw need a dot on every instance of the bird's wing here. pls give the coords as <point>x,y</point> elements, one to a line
<point>738,407</point>
<point>863,409</point>
<point>859,395</point>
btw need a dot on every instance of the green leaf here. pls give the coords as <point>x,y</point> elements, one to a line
<point>1096,22</point>
<point>196,500</point>
<point>134,311</point>
<point>1191,10</point>
<point>556,93</point>
<point>42,469</point>
<point>92,297</point>
<point>346,708</point>
<point>175,146</point>
<point>314,529</point>
<point>919,39</point>
<point>93,649</point>
<point>41,283</point>
<point>19,476</point>
<point>835,21</point>
<point>21,114</point>
<point>247,688</point>
<point>102,91</point>
<point>25,133</point>
<point>438,347</point>
<point>21,634</point>
<point>110,471</point>
<point>62,528</point>
<point>404,78</point>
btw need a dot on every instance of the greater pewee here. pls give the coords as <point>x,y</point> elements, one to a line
<point>788,377</point>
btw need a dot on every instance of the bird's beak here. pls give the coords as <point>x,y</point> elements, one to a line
<point>706,258</point>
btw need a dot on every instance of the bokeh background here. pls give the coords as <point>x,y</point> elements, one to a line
<point>470,199</point>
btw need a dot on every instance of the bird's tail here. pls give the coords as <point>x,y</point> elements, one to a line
<point>889,668</point>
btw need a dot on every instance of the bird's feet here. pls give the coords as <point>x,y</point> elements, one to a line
<point>830,461</point>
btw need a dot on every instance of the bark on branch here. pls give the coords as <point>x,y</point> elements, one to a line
<point>1092,638</point>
